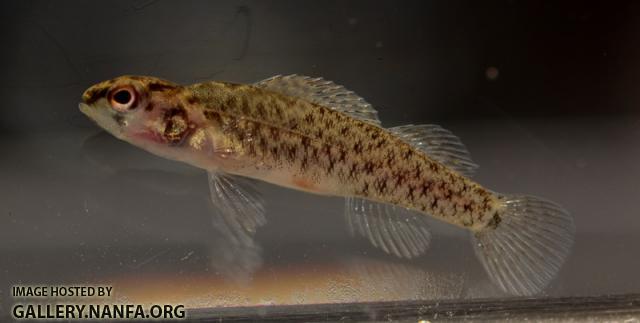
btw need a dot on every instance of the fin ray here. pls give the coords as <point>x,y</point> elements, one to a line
<point>439,144</point>
<point>240,207</point>
<point>324,93</point>
<point>393,229</point>
<point>528,247</point>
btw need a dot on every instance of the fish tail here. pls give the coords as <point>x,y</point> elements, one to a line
<point>524,251</point>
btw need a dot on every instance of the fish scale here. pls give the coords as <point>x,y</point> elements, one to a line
<point>313,135</point>
<point>362,159</point>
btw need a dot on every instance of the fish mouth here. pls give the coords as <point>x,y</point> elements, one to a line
<point>102,117</point>
<point>91,112</point>
<point>84,108</point>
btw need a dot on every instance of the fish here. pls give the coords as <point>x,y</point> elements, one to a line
<point>313,135</point>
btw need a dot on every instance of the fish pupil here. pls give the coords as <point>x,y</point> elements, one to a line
<point>122,97</point>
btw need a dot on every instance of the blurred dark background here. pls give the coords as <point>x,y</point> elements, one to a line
<point>567,58</point>
<point>544,95</point>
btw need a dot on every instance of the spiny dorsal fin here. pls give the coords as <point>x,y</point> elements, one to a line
<point>324,93</point>
<point>393,229</point>
<point>439,144</point>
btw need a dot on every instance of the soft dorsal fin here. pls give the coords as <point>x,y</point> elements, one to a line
<point>439,144</point>
<point>394,229</point>
<point>324,93</point>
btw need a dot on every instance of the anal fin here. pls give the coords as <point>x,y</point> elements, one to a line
<point>394,229</point>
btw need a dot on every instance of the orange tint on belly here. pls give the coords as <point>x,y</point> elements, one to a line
<point>303,183</point>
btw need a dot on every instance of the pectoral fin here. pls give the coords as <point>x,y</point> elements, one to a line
<point>239,206</point>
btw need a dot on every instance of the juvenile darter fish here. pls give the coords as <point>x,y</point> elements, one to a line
<point>312,135</point>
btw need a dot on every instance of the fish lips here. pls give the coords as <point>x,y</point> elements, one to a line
<point>106,119</point>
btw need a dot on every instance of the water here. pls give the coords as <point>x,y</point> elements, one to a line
<point>548,118</point>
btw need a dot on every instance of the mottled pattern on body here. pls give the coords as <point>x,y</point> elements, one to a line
<point>313,135</point>
<point>315,143</point>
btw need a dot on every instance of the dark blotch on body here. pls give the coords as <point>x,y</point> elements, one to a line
<point>213,116</point>
<point>119,119</point>
<point>160,87</point>
<point>176,125</point>
<point>94,95</point>
<point>193,100</point>
<point>495,221</point>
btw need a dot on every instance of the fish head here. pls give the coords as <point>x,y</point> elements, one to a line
<point>147,112</point>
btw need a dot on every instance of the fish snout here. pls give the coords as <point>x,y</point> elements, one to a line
<point>94,93</point>
<point>86,96</point>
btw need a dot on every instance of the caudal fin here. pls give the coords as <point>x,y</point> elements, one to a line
<point>527,248</point>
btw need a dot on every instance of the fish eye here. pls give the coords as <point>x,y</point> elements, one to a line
<point>122,99</point>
